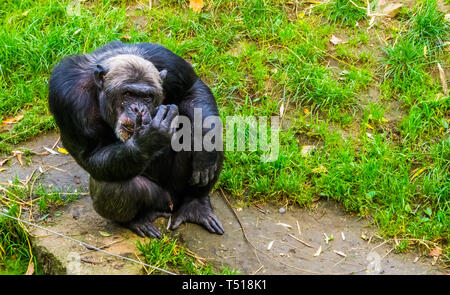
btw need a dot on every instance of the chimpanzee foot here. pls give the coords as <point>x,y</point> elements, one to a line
<point>198,213</point>
<point>144,227</point>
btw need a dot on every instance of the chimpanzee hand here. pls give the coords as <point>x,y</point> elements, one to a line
<point>205,168</point>
<point>155,134</point>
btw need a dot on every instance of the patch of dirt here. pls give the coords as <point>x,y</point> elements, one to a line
<point>346,253</point>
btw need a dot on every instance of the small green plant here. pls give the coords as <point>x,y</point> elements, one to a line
<point>429,27</point>
<point>165,253</point>
<point>53,197</point>
<point>346,12</point>
<point>374,114</point>
<point>15,252</point>
<point>405,70</point>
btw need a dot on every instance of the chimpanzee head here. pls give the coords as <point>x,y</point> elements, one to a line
<point>129,87</point>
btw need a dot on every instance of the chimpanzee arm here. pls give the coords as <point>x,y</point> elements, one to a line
<point>200,97</point>
<point>115,162</point>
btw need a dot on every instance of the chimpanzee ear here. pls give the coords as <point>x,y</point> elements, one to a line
<point>99,75</point>
<point>163,74</point>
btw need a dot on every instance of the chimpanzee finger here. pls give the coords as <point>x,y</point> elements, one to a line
<point>213,224</point>
<point>195,179</point>
<point>206,223</point>
<point>212,171</point>
<point>137,231</point>
<point>152,231</point>
<point>160,114</point>
<point>204,178</point>
<point>218,224</point>
<point>171,114</point>
<point>138,123</point>
<point>170,118</point>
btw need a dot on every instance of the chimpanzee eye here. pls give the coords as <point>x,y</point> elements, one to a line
<point>127,93</point>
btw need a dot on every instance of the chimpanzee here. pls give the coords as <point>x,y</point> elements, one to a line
<point>114,108</point>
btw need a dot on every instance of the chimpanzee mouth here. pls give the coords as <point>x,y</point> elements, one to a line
<point>128,129</point>
<point>125,131</point>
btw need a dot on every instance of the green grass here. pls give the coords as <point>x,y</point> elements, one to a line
<point>167,254</point>
<point>14,251</point>
<point>429,27</point>
<point>345,12</point>
<point>257,55</point>
<point>18,200</point>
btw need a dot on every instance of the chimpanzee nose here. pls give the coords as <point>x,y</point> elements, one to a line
<point>138,108</point>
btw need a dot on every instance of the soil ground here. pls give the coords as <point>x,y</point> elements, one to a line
<point>263,225</point>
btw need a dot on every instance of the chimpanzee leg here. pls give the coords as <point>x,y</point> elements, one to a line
<point>135,203</point>
<point>193,201</point>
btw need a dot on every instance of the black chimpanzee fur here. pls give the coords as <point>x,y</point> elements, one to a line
<point>135,181</point>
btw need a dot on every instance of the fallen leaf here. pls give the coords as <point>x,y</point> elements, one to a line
<point>30,269</point>
<point>335,40</point>
<point>196,5</point>
<point>76,32</point>
<point>318,251</point>
<point>364,237</point>
<point>12,120</point>
<point>2,162</point>
<point>285,225</point>
<point>63,151</point>
<point>343,236</point>
<point>125,37</point>
<point>281,110</point>
<point>434,260</point>
<point>306,111</point>
<point>340,253</point>
<point>436,252</point>
<point>368,126</point>
<point>105,234</point>
<point>443,79</point>
<point>416,259</point>
<point>320,169</point>
<point>270,245</point>
<point>2,169</point>
<point>425,51</point>
<point>51,151</point>
<point>418,173</point>
<point>19,158</point>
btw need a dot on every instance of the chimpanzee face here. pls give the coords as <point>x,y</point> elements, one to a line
<point>130,87</point>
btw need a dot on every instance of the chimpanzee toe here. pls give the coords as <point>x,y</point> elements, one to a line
<point>144,228</point>
<point>212,223</point>
<point>200,216</point>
